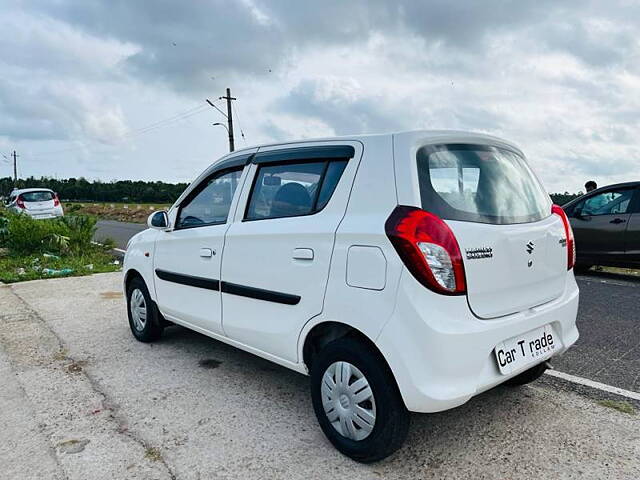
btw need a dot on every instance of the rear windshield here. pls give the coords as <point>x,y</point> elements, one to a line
<point>37,196</point>
<point>480,183</point>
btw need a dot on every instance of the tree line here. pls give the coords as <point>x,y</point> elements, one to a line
<point>81,189</point>
<point>139,191</point>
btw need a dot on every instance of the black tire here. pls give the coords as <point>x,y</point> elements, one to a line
<point>392,418</point>
<point>152,329</point>
<point>527,376</point>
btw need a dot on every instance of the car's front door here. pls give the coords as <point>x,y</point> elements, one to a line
<point>632,235</point>
<point>599,223</point>
<point>187,257</point>
<point>278,250</point>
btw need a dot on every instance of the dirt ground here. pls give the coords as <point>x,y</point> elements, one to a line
<point>122,212</point>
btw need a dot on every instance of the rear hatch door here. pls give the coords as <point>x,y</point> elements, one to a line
<point>513,247</point>
<point>510,268</point>
<point>38,202</point>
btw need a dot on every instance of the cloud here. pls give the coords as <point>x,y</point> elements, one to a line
<point>559,78</point>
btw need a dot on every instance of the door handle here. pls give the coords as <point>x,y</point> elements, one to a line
<point>617,220</point>
<point>207,252</point>
<point>302,254</point>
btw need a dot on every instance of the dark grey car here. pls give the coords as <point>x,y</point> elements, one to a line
<point>606,225</point>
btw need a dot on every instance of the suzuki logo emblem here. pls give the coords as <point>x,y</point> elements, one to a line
<point>530,247</point>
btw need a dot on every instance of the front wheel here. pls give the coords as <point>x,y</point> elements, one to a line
<point>357,402</point>
<point>143,318</point>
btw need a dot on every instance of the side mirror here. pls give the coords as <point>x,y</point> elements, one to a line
<point>158,220</point>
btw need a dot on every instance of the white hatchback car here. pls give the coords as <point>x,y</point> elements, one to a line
<point>404,272</point>
<point>36,202</point>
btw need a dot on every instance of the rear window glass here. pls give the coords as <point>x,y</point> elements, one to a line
<point>37,196</point>
<point>480,183</point>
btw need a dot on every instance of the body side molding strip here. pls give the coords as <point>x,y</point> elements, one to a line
<point>230,288</point>
<point>260,294</point>
<point>189,280</point>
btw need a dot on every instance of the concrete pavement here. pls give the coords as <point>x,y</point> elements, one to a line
<point>83,399</point>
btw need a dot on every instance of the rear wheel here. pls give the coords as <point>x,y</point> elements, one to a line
<point>527,376</point>
<point>357,402</point>
<point>143,318</point>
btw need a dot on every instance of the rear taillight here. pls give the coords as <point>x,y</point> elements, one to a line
<point>20,202</point>
<point>428,249</point>
<point>568,233</point>
<point>56,200</point>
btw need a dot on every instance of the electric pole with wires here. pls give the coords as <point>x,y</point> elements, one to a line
<point>15,167</point>
<point>229,116</point>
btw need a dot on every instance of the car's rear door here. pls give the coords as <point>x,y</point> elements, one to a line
<point>599,223</point>
<point>278,250</point>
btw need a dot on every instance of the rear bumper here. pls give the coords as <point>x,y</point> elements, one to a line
<point>442,355</point>
<point>47,214</point>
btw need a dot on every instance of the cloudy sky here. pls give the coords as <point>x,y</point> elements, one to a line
<point>116,89</point>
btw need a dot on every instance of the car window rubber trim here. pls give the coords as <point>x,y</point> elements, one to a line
<point>227,287</point>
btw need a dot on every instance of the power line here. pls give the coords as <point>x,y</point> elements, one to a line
<point>212,104</point>
<point>235,109</point>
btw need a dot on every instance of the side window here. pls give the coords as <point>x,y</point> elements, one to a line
<point>331,179</point>
<point>211,202</point>
<point>293,189</point>
<point>608,203</point>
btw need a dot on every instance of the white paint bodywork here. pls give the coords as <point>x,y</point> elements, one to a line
<point>39,210</point>
<point>344,268</point>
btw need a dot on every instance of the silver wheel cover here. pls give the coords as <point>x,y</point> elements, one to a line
<point>138,308</point>
<point>348,401</point>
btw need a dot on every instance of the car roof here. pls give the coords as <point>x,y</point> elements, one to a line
<point>603,189</point>
<point>425,135</point>
<point>27,190</point>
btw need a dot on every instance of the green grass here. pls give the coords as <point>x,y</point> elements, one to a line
<point>20,268</point>
<point>30,249</point>
<point>621,406</point>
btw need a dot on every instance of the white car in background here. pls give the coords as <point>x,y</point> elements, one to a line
<point>36,202</point>
<point>403,273</point>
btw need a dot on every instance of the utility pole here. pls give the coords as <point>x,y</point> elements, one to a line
<point>15,167</point>
<point>229,116</point>
<point>229,98</point>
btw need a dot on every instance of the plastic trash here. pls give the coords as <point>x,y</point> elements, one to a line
<point>51,255</point>
<point>89,267</point>
<point>116,262</point>
<point>54,272</point>
<point>20,271</point>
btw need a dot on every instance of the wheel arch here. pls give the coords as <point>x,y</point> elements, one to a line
<point>327,331</point>
<point>130,275</point>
